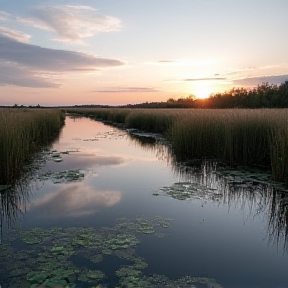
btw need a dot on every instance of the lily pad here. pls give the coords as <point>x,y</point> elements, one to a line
<point>50,264</point>
<point>57,250</point>
<point>52,282</point>
<point>36,278</point>
<point>189,191</point>
<point>63,176</point>
<point>30,239</point>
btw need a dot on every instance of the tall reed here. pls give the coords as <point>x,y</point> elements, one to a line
<point>21,132</point>
<point>235,136</point>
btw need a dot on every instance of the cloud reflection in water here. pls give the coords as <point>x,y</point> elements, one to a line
<point>74,200</point>
<point>82,161</point>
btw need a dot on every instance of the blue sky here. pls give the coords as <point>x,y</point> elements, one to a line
<point>129,51</point>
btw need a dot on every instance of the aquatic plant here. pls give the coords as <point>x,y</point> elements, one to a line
<point>23,131</point>
<point>235,136</point>
<point>63,176</point>
<point>47,260</point>
<point>187,190</point>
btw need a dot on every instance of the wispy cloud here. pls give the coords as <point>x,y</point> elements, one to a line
<point>184,62</point>
<point>72,23</point>
<point>50,59</point>
<point>74,200</point>
<point>205,79</point>
<point>4,16</point>
<point>166,61</point>
<point>14,34</point>
<point>254,81</point>
<point>82,160</point>
<point>127,90</point>
<point>238,73</point>
<point>29,62</point>
<point>15,75</point>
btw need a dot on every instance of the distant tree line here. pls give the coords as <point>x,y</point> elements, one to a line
<point>262,96</point>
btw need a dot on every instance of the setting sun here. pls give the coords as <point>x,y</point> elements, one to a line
<point>203,90</point>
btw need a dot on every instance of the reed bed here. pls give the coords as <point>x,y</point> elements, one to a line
<point>236,136</point>
<point>22,131</point>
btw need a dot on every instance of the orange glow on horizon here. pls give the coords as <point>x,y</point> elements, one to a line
<point>203,90</point>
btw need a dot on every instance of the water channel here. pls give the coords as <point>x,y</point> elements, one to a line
<point>110,207</point>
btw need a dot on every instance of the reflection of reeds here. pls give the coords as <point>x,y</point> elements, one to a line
<point>13,202</point>
<point>236,136</point>
<point>253,199</point>
<point>278,218</point>
<point>160,147</point>
<point>14,199</point>
<point>21,132</point>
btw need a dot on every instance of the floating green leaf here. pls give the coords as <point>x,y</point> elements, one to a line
<point>49,265</point>
<point>36,278</point>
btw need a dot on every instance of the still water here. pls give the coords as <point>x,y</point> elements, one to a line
<point>98,182</point>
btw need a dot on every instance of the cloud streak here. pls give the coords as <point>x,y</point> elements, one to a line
<point>50,59</point>
<point>14,34</point>
<point>72,23</point>
<point>82,161</point>
<point>205,79</point>
<point>19,76</point>
<point>128,90</point>
<point>166,61</point>
<point>254,81</point>
<point>27,65</point>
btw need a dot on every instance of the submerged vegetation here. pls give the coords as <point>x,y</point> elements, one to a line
<point>234,136</point>
<point>22,131</point>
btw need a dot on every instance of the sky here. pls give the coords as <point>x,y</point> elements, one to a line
<point>72,52</point>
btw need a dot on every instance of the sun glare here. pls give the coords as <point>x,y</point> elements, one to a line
<point>203,91</point>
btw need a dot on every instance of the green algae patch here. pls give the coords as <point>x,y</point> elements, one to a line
<point>121,241</point>
<point>128,254</point>
<point>57,250</point>
<point>64,176</point>
<point>52,282</point>
<point>36,278</point>
<point>139,263</point>
<point>34,236</point>
<point>29,238</point>
<point>189,191</point>
<point>95,274</point>
<point>96,258</point>
<point>91,276</point>
<point>128,271</point>
<point>47,261</point>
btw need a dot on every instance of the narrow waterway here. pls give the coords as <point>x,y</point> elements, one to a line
<point>114,209</point>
